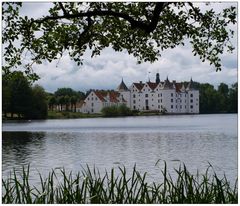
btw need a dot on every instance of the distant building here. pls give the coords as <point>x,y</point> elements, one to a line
<point>166,96</point>
<point>98,99</point>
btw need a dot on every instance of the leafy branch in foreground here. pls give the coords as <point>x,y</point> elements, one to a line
<point>118,186</point>
<point>143,29</point>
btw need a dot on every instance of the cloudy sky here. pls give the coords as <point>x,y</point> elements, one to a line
<point>107,70</point>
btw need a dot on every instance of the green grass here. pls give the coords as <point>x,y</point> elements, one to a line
<point>69,115</point>
<point>89,186</point>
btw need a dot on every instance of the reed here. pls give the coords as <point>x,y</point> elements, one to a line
<point>89,186</point>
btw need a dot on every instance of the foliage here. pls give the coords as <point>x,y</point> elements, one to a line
<point>65,97</point>
<point>89,186</point>
<point>113,111</point>
<point>216,101</point>
<point>39,108</point>
<point>70,115</point>
<point>22,99</point>
<point>143,29</point>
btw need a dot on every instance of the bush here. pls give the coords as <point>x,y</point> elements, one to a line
<point>114,111</point>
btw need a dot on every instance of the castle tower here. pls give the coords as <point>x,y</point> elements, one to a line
<point>157,78</point>
<point>125,92</point>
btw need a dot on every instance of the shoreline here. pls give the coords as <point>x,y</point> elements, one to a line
<point>77,115</point>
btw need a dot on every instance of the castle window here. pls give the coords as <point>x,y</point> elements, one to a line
<point>134,101</point>
<point>191,95</point>
<point>134,95</point>
<point>191,106</point>
<point>171,106</point>
<point>96,98</point>
<point>92,104</point>
<point>92,98</point>
<point>171,100</point>
<point>158,101</point>
<point>152,95</point>
<point>176,106</point>
<point>134,107</point>
<point>161,94</point>
<point>180,106</point>
<point>146,95</point>
<point>161,100</point>
<point>171,94</point>
<point>191,100</point>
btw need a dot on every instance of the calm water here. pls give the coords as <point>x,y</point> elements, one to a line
<point>110,142</point>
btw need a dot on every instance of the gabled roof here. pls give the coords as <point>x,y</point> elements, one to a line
<point>190,85</point>
<point>99,94</point>
<point>122,87</point>
<point>112,95</point>
<point>178,87</point>
<point>152,85</point>
<point>167,84</point>
<point>139,86</point>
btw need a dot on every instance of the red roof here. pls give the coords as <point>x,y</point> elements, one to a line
<point>139,86</point>
<point>112,95</point>
<point>99,95</point>
<point>152,85</point>
<point>178,86</point>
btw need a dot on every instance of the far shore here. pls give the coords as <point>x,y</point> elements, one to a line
<point>77,115</point>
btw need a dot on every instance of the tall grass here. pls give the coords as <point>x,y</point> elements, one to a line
<point>89,186</point>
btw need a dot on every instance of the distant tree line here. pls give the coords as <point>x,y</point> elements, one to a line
<point>22,100</point>
<point>65,99</point>
<point>224,99</point>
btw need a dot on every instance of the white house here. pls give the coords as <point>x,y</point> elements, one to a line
<point>98,99</point>
<point>166,96</point>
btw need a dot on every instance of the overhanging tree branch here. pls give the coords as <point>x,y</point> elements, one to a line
<point>145,26</point>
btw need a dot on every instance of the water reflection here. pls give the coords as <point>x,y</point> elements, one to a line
<point>45,151</point>
<point>195,141</point>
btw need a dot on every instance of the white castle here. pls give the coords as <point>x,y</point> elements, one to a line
<point>168,97</point>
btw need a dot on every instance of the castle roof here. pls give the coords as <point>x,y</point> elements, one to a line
<point>178,87</point>
<point>139,86</point>
<point>167,84</point>
<point>152,85</point>
<point>111,96</point>
<point>190,85</point>
<point>122,87</point>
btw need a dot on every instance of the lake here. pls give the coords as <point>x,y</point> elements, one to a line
<point>112,142</point>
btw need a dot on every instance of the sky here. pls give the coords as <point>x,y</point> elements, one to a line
<point>107,70</point>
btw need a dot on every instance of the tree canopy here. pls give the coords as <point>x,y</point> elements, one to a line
<point>143,29</point>
<point>22,99</point>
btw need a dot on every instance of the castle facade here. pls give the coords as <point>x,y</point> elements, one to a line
<point>168,97</point>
